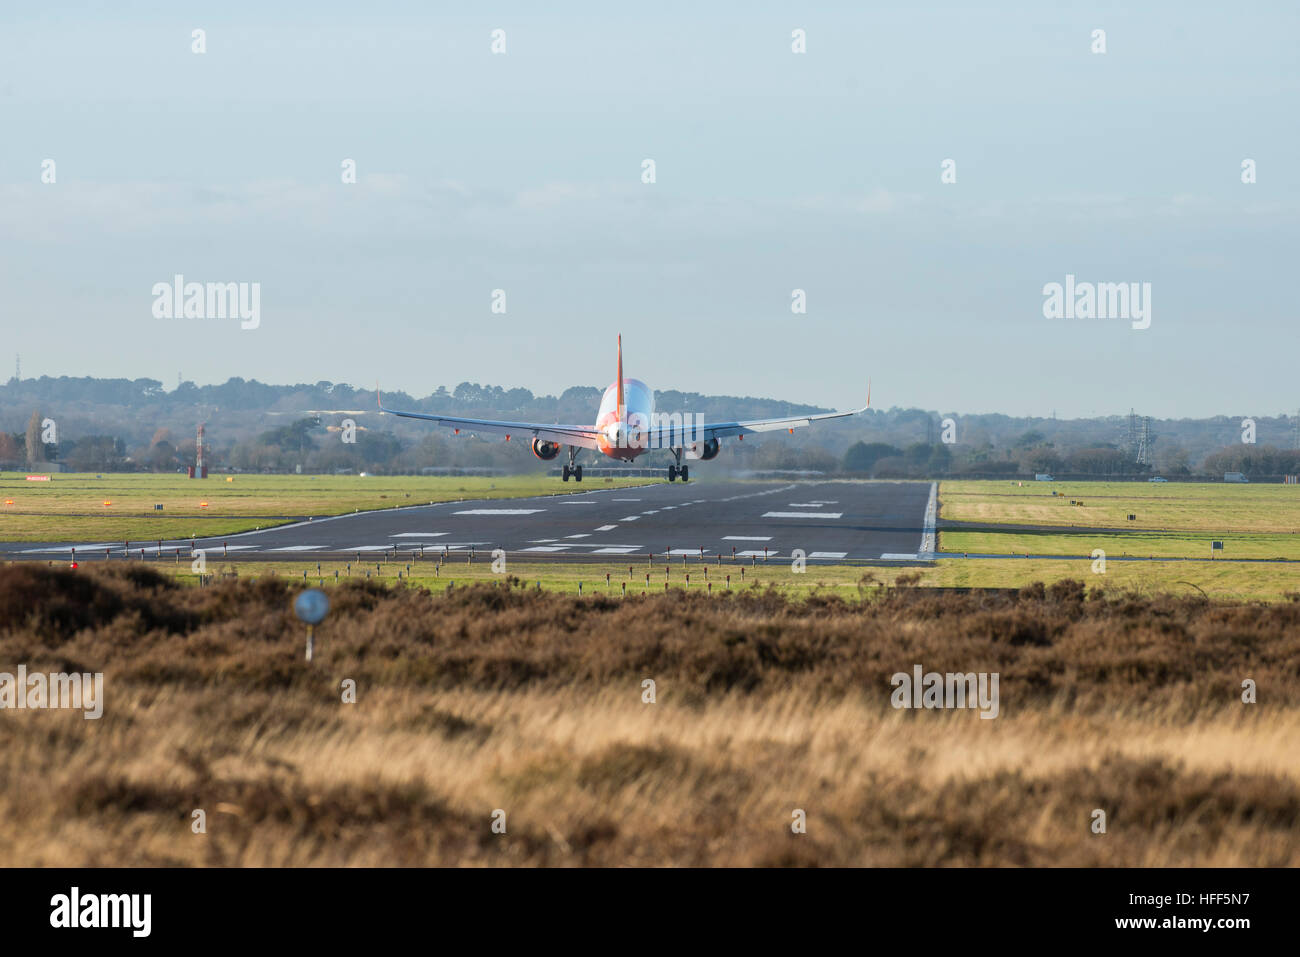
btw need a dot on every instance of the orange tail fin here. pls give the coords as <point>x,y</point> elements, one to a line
<point>620,378</point>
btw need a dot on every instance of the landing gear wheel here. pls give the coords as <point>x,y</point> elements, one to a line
<point>565,473</point>
<point>577,473</point>
<point>685,472</point>
<point>672,473</point>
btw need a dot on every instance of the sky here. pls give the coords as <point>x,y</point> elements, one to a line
<point>774,171</point>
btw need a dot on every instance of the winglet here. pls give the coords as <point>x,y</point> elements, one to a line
<point>380,401</point>
<point>868,405</point>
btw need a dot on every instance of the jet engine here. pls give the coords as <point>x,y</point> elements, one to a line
<point>708,449</point>
<point>545,450</point>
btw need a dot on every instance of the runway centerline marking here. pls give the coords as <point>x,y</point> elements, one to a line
<point>416,534</point>
<point>500,511</point>
<point>607,528</point>
<point>581,535</point>
<point>803,514</point>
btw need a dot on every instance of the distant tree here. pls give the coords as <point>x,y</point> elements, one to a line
<point>1041,459</point>
<point>291,438</point>
<point>35,447</point>
<point>863,456</point>
<point>96,453</point>
<point>917,455</point>
<point>940,460</point>
<point>162,456</point>
<point>9,448</point>
<point>891,466</point>
<point>1099,461</point>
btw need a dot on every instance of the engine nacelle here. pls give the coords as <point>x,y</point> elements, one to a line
<point>545,450</point>
<point>708,449</point>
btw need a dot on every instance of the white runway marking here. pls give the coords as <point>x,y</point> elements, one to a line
<point>583,535</point>
<point>803,514</point>
<point>416,534</point>
<point>360,548</point>
<point>931,515</point>
<point>899,557</point>
<point>809,504</point>
<point>546,548</point>
<point>617,550</point>
<point>607,528</point>
<point>630,518</point>
<point>828,554</point>
<point>500,511</point>
<point>302,548</point>
<point>238,548</point>
<point>687,551</point>
<point>542,541</point>
<point>757,554</point>
<point>653,511</point>
<point>585,501</point>
<point>746,538</point>
<point>625,500</point>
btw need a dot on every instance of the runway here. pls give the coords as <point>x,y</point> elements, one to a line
<point>830,521</point>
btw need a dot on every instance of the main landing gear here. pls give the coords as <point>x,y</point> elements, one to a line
<point>571,469</point>
<point>679,469</point>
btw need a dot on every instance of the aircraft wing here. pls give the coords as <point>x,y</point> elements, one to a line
<point>665,438</point>
<point>583,436</point>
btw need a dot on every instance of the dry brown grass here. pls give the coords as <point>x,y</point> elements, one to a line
<point>530,702</point>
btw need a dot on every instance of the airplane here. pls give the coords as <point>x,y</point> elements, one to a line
<point>626,427</point>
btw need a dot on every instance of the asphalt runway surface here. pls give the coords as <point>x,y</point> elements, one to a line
<point>829,521</point>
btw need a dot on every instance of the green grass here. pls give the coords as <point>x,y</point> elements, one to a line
<point>1218,580</point>
<point>1138,544</point>
<point>1173,520</point>
<point>70,507</point>
<point>555,576</point>
<point>1211,508</point>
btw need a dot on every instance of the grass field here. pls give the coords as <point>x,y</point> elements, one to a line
<point>70,507</point>
<point>1173,520</point>
<point>486,700</point>
<point>1220,580</point>
<point>1210,509</point>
